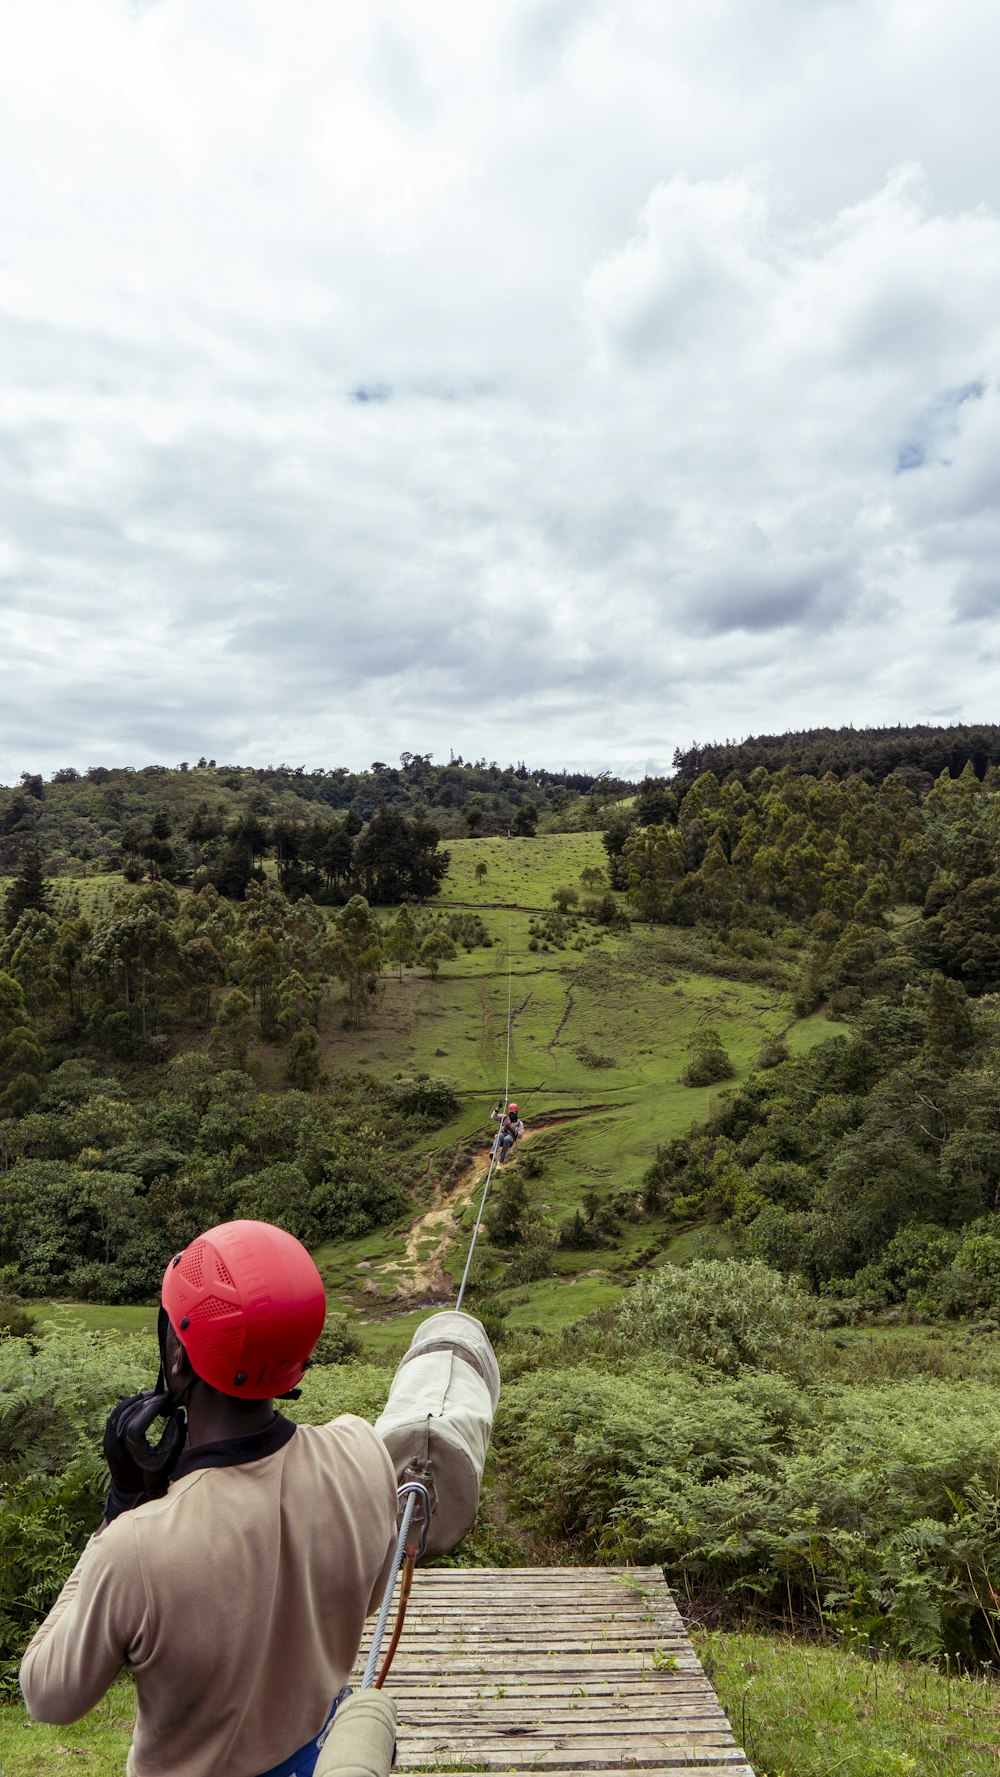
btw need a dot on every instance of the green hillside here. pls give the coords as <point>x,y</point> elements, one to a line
<point>742,1273</point>
<point>601,1024</point>
<point>600,1037</point>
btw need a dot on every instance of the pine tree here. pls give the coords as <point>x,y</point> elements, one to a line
<point>30,889</point>
<point>949,1029</point>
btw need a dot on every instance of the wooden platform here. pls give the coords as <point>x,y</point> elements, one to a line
<point>554,1669</point>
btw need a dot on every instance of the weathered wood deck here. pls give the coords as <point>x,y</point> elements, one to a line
<point>554,1669</point>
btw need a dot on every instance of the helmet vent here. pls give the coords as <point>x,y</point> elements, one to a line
<point>212,1308</point>
<point>191,1265</point>
<point>223,1275</point>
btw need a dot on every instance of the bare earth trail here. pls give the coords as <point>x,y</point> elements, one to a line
<point>423,1277</point>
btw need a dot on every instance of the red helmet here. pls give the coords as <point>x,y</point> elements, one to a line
<point>248,1305</point>
<point>512,1110</point>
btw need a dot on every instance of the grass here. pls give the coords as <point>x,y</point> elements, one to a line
<point>519,871</point>
<point>558,1302</point>
<point>802,1710</point>
<point>97,1746</point>
<point>888,1353</point>
<point>96,1317</point>
<point>799,1709</point>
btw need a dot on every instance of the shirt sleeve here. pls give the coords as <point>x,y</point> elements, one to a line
<point>84,1641</point>
<point>384,1498</point>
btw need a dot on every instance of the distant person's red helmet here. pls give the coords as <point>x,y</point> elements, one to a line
<point>512,1110</point>
<point>248,1305</point>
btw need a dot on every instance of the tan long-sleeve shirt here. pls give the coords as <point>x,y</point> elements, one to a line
<point>237,1601</point>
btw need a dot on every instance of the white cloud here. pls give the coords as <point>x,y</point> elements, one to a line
<point>554,380</point>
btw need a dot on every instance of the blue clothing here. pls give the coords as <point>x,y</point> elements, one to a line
<point>303,1762</point>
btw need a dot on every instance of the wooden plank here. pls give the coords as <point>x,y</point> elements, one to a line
<point>558,1671</point>
<point>507,1759</point>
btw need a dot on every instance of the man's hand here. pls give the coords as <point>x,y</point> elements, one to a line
<point>134,1479</point>
<point>128,1483</point>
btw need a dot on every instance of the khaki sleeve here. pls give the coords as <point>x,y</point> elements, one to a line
<point>84,1641</point>
<point>384,1501</point>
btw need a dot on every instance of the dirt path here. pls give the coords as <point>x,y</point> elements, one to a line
<point>423,1276</point>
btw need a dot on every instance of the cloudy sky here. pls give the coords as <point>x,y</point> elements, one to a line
<point>551,379</point>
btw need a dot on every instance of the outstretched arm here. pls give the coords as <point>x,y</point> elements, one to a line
<point>82,1645</point>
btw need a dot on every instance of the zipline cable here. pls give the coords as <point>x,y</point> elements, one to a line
<point>383,1615</point>
<point>506,1089</point>
<point>404,1544</point>
<point>510,969</point>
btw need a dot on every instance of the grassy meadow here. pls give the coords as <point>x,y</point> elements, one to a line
<point>600,1036</point>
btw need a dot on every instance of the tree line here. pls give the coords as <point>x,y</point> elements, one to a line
<point>920,753</point>
<point>836,854</point>
<point>94,819</point>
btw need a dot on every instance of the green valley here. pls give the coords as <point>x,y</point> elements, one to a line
<point>742,1271</point>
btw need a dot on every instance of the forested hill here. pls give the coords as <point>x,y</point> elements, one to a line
<point>103,817</point>
<point>918,754</point>
<point>172,820</point>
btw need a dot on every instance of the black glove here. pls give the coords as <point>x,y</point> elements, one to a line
<point>138,1470</point>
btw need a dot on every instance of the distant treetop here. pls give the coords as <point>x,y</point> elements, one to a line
<point>871,752</point>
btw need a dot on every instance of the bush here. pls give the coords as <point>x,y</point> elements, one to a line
<point>339,1341</point>
<point>578,1235</point>
<point>874,1511</point>
<point>358,1191</point>
<point>303,1066</point>
<point>15,1321</point>
<point>530,1163</point>
<point>55,1394</point>
<point>911,1264</point>
<point>593,1057</point>
<point>530,1264</point>
<point>971,1285</point>
<point>604,910</point>
<point>427,1096</point>
<point>722,1312</point>
<point>709,1062</point>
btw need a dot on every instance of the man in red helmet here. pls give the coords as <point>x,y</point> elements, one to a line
<point>511,1128</point>
<point>235,1565</point>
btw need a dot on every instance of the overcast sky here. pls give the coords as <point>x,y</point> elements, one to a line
<point>563,380</point>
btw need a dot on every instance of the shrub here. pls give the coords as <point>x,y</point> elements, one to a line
<point>530,1164</point>
<point>15,1321</point>
<point>303,1066</point>
<point>593,1057</point>
<point>339,1341</point>
<point>428,1097</point>
<point>874,1511</point>
<point>911,1263</point>
<point>531,1264</point>
<point>577,1234</point>
<point>972,1283</point>
<point>709,1062</point>
<point>55,1394</point>
<point>722,1312</point>
<point>358,1191</point>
